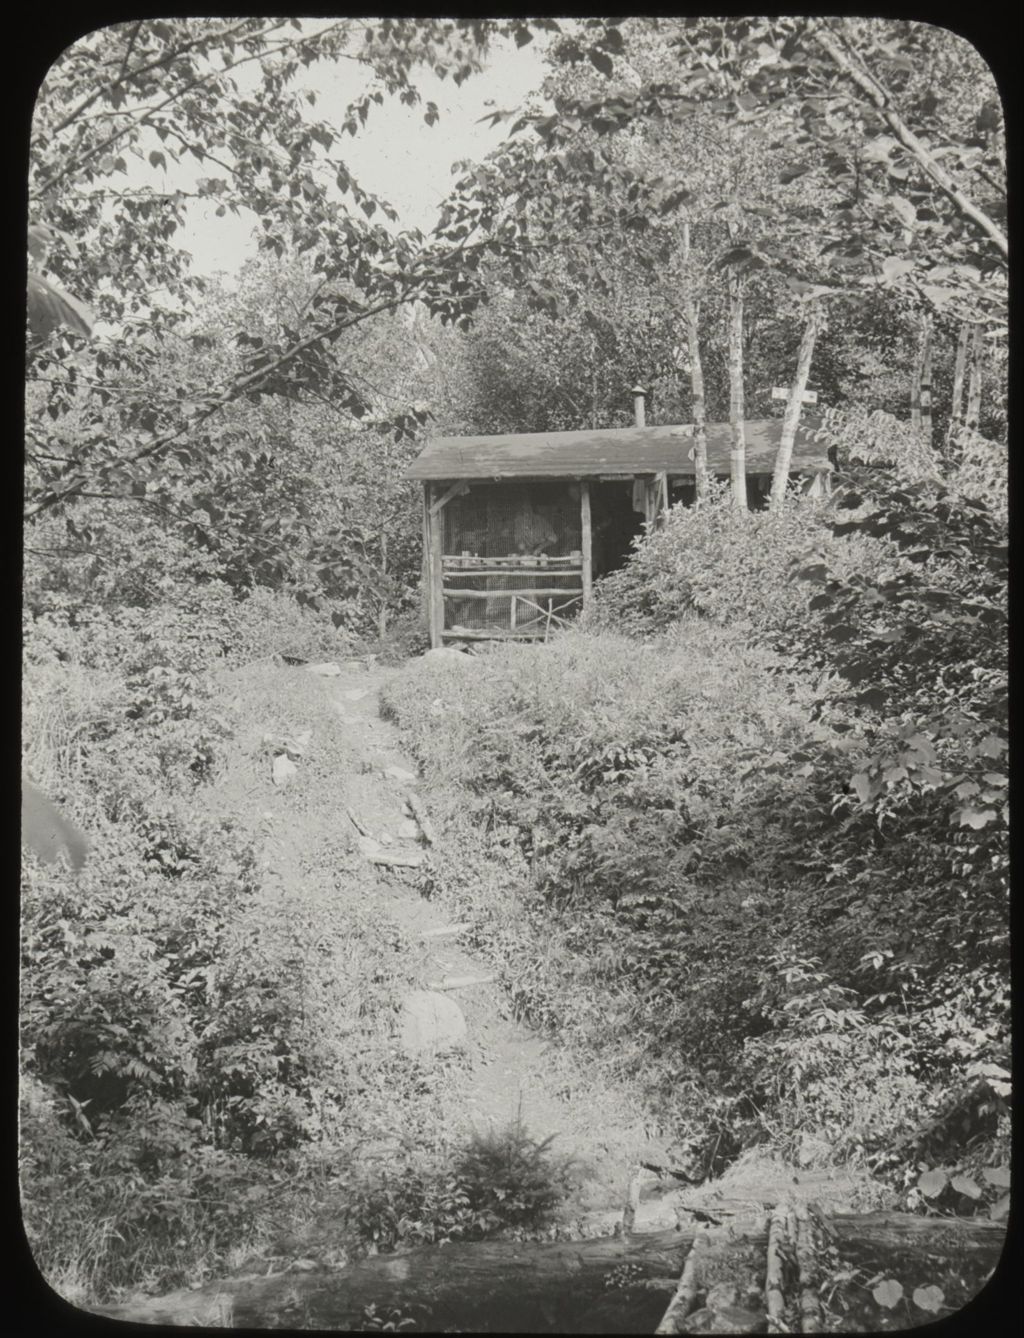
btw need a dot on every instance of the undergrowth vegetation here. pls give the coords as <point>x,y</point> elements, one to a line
<point>207,1052</point>
<point>773,896</point>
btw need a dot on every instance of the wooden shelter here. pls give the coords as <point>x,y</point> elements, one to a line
<point>517,527</point>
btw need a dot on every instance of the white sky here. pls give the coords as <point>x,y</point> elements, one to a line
<point>395,156</point>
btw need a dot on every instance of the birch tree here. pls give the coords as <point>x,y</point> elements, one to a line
<point>791,418</point>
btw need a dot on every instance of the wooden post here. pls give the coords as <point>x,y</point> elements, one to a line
<point>651,500</point>
<point>435,528</point>
<point>425,577</point>
<point>586,540</point>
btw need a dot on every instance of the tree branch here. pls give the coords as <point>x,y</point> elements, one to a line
<point>142,114</point>
<point>164,59</point>
<point>226,397</point>
<point>882,99</point>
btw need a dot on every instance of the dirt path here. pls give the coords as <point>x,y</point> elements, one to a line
<point>513,1072</point>
<point>352,765</point>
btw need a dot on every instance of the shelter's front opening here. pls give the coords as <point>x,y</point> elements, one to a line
<point>512,559</point>
<point>617,517</point>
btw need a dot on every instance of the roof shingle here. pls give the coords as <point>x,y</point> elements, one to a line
<point>624,450</point>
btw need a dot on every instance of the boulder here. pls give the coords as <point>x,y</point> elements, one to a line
<point>431,1023</point>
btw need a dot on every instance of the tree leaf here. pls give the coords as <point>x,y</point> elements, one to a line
<point>932,1183</point>
<point>976,818</point>
<point>998,1176</point>
<point>904,209</point>
<point>965,1184</point>
<point>894,267</point>
<point>49,307</point>
<point>991,746</point>
<point>861,783</point>
<point>888,1293</point>
<point>930,1298</point>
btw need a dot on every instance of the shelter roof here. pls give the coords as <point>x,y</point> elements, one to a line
<point>624,450</point>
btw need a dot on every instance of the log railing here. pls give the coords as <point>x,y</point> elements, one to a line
<point>525,597</point>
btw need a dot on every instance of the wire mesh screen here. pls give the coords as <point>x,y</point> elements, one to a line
<point>512,561</point>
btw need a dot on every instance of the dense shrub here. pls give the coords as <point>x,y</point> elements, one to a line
<point>681,819</point>
<point>498,1180</point>
<point>733,567</point>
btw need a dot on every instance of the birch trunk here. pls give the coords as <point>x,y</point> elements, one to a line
<point>926,380</point>
<point>382,612</point>
<point>700,433</point>
<point>974,383</point>
<point>959,370</point>
<point>738,453</point>
<point>915,391</point>
<point>791,418</point>
<point>691,313</point>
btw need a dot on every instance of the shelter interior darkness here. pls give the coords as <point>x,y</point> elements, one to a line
<point>614,523</point>
<point>500,519</point>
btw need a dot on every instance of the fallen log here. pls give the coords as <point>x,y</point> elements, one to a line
<point>907,1231</point>
<point>775,1297</point>
<point>506,1286</point>
<point>685,1293</point>
<point>515,1286</point>
<point>807,1270</point>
